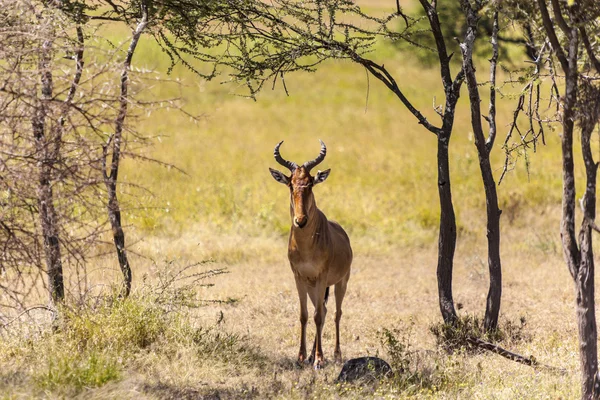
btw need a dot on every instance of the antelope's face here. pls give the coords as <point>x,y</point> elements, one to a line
<point>300,183</point>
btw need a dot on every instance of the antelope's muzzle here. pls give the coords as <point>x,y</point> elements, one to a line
<point>300,222</point>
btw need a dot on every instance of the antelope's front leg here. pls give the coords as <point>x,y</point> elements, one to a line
<point>318,299</point>
<point>303,320</point>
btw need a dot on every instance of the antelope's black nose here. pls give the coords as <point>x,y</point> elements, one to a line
<point>301,222</point>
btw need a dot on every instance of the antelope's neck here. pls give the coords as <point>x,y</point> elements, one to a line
<point>312,233</point>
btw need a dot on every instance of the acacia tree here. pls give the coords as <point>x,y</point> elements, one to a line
<point>569,29</point>
<point>35,95</point>
<point>579,105</point>
<point>56,113</point>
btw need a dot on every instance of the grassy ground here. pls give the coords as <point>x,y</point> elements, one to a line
<point>382,189</point>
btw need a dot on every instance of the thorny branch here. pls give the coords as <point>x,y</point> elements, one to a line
<point>531,136</point>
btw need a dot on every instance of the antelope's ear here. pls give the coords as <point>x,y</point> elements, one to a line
<point>321,176</point>
<point>279,176</point>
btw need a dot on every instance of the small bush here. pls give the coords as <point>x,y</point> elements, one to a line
<point>415,371</point>
<point>79,371</point>
<point>452,337</point>
<point>123,326</point>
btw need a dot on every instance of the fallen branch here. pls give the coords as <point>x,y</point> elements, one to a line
<point>494,348</point>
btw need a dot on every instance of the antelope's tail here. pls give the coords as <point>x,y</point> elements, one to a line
<point>326,294</point>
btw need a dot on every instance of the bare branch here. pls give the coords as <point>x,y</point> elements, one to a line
<point>559,18</point>
<point>494,348</point>
<point>440,43</point>
<point>548,26</point>
<point>492,108</point>
<point>384,76</point>
<point>588,48</point>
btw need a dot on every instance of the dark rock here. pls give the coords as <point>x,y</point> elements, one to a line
<point>364,368</point>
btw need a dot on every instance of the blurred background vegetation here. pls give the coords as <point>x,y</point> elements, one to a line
<point>383,188</point>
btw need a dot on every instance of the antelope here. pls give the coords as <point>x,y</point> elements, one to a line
<point>319,252</point>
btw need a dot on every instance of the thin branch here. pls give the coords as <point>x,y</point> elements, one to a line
<point>400,13</point>
<point>588,48</point>
<point>39,307</point>
<point>104,18</point>
<point>513,126</point>
<point>440,43</point>
<point>559,18</point>
<point>384,76</point>
<point>549,27</point>
<point>116,148</point>
<point>493,61</point>
<point>78,72</point>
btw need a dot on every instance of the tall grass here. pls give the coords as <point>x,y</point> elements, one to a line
<point>104,339</point>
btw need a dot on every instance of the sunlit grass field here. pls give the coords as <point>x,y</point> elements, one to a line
<point>382,189</point>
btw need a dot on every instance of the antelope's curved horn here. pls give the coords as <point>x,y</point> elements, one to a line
<point>311,164</point>
<point>288,164</point>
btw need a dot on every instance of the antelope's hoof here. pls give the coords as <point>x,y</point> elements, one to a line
<point>338,358</point>
<point>319,365</point>
<point>301,359</point>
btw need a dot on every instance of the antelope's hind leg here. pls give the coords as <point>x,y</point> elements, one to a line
<point>340,292</point>
<point>302,292</point>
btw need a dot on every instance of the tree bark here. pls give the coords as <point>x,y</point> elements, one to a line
<point>115,142</point>
<point>578,256</point>
<point>484,147</point>
<point>584,279</point>
<point>447,235</point>
<point>46,160</point>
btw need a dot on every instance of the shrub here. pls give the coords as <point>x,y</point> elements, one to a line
<point>458,336</point>
<point>95,341</point>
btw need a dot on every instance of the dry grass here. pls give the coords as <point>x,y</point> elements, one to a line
<point>383,191</point>
<point>398,291</point>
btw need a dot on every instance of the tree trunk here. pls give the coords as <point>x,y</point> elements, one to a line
<point>586,314</point>
<point>49,223</point>
<point>115,142</point>
<point>492,310</point>
<point>584,280</point>
<point>580,259</point>
<point>447,236</point>
<point>45,195</point>
<point>114,215</point>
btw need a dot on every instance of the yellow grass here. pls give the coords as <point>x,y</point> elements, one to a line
<point>382,189</point>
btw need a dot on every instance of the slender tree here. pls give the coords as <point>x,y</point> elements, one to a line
<point>579,104</point>
<point>484,147</point>
<point>114,143</point>
<point>55,110</point>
